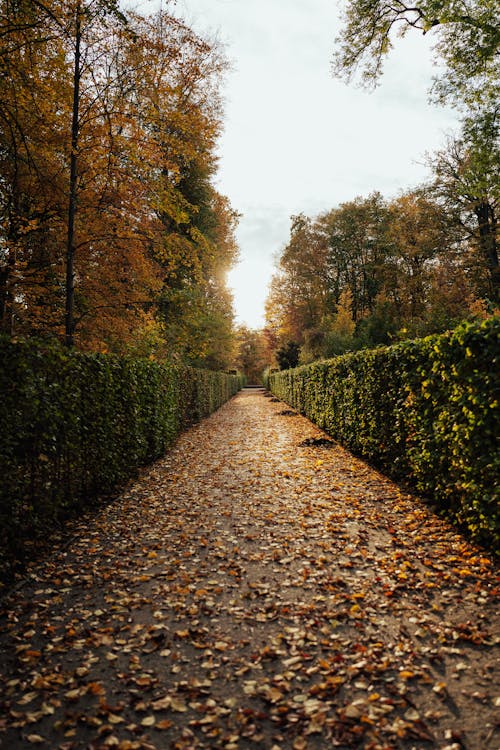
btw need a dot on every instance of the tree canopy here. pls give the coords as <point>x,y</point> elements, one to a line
<point>466,34</point>
<point>108,136</point>
<point>373,271</point>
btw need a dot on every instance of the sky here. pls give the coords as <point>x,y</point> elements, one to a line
<point>296,140</point>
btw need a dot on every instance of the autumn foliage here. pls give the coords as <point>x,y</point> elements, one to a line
<point>108,129</point>
<point>374,271</point>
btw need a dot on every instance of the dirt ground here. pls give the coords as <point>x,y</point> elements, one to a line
<point>255,589</point>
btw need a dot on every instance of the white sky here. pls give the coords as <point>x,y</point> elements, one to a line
<point>297,140</point>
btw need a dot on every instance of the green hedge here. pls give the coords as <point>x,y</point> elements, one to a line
<point>426,411</point>
<point>73,426</point>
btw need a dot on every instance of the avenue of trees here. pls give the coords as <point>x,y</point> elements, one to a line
<point>112,236</point>
<point>372,270</point>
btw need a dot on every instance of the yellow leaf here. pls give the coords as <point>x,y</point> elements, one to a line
<point>406,674</point>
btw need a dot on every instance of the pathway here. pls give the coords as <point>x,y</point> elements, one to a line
<point>252,592</point>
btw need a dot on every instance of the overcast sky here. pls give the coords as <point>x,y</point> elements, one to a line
<point>297,140</point>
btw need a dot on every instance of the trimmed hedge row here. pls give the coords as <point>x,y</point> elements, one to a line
<point>73,426</point>
<point>426,411</point>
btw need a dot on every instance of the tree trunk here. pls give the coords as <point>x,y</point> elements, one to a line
<point>5,314</point>
<point>72,207</point>
<point>7,272</point>
<point>488,244</point>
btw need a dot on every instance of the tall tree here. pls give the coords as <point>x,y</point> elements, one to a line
<point>357,247</point>
<point>425,276</point>
<point>467,185</point>
<point>83,24</point>
<point>32,204</point>
<point>300,291</point>
<point>192,237</point>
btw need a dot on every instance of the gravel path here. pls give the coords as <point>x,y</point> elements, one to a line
<point>252,592</point>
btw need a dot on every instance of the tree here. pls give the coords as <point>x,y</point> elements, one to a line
<point>356,237</point>
<point>467,37</point>
<point>425,277</point>
<point>252,355</point>
<point>467,186</point>
<point>417,236</point>
<point>32,67</point>
<point>341,334</point>
<point>300,289</point>
<point>339,251</point>
<point>192,231</point>
<point>80,27</point>
<point>56,142</point>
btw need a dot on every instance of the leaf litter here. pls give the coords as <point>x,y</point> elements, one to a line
<point>244,593</point>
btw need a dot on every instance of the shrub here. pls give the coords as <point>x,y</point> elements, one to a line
<point>426,411</point>
<point>76,425</point>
